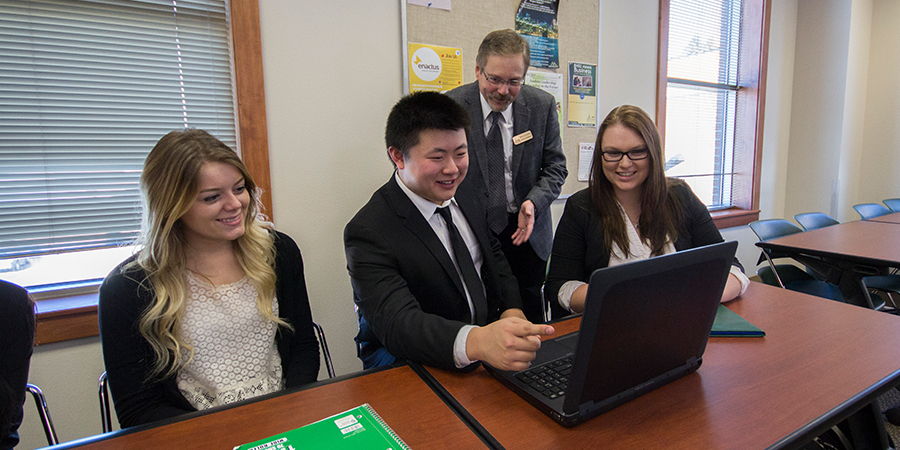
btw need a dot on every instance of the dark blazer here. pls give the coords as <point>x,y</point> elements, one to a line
<point>538,165</point>
<point>125,294</point>
<point>16,341</point>
<point>410,297</point>
<point>578,248</point>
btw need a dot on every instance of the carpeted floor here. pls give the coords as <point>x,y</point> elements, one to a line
<point>891,399</point>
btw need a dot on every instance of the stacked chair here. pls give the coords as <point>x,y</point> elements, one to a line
<point>787,275</point>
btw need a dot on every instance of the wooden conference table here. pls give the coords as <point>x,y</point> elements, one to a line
<point>820,362</point>
<point>848,251</point>
<point>889,218</point>
<point>398,395</point>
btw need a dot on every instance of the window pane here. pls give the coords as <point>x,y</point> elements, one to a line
<point>700,140</point>
<point>86,90</point>
<point>704,40</point>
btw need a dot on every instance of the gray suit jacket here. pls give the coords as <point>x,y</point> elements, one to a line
<point>538,165</point>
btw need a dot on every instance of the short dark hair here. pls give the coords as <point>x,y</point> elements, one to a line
<point>422,111</point>
<point>503,43</point>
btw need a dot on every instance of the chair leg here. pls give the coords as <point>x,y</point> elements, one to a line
<point>324,345</point>
<point>105,413</point>
<point>41,402</point>
<point>545,305</point>
<point>772,265</point>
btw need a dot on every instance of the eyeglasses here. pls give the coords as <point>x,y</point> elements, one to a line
<point>497,81</point>
<point>634,155</point>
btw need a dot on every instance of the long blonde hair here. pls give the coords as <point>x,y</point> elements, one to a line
<point>169,186</point>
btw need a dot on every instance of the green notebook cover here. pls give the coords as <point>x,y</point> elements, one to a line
<point>358,428</point>
<point>728,323</point>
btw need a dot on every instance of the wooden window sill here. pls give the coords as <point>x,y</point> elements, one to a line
<point>66,318</point>
<point>734,217</point>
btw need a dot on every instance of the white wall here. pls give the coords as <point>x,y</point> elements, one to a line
<point>817,105</point>
<point>67,372</point>
<point>332,72</point>
<point>777,125</point>
<point>881,139</point>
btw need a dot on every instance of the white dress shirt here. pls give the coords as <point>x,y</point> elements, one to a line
<point>434,219</point>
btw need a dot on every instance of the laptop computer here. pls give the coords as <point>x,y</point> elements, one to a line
<point>645,324</point>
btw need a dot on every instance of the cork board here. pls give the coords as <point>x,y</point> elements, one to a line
<point>470,20</point>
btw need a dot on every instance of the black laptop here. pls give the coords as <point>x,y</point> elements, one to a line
<point>645,324</point>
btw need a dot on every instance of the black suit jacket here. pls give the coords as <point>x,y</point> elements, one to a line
<point>538,165</point>
<point>410,297</point>
<point>579,250</point>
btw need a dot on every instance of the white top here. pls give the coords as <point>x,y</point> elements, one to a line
<point>638,250</point>
<point>235,357</point>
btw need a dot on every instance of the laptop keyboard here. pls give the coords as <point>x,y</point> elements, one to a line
<point>550,379</point>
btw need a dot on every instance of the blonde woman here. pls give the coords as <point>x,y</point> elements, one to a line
<point>213,308</point>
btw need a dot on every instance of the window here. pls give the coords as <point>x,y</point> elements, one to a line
<point>712,78</point>
<point>88,87</point>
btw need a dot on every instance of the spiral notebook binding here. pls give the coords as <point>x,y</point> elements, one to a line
<point>385,426</point>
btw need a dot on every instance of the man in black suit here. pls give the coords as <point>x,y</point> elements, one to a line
<point>429,289</point>
<point>516,159</point>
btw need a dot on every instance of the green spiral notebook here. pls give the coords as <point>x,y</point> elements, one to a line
<point>358,428</point>
<point>728,323</point>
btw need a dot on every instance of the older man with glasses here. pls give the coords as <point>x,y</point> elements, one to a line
<point>515,159</point>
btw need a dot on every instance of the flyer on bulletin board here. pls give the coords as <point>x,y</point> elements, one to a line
<point>434,68</point>
<point>551,83</point>
<point>582,95</point>
<point>585,158</point>
<point>536,22</point>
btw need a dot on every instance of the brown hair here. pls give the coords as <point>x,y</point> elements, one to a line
<point>503,43</point>
<point>661,216</point>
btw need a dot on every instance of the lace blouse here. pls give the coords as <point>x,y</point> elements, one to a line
<point>235,357</point>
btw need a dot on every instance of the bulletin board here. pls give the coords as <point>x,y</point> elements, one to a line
<point>468,21</point>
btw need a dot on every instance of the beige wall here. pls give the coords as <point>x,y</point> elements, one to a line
<point>333,70</point>
<point>881,136</point>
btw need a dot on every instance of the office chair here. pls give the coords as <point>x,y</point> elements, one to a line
<point>545,304</point>
<point>41,402</point>
<point>788,276</point>
<point>814,220</point>
<point>888,284</point>
<point>103,383</point>
<point>320,334</point>
<point>871,210</point>
<point>893,203</point>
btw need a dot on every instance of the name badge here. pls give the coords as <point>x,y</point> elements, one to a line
<point>524,137</point>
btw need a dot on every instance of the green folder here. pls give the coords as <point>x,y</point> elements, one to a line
<point>358,428</point>
<point>729,324</point>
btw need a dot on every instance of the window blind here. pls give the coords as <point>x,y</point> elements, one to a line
<point>702,95</point>
<point>86,90</point>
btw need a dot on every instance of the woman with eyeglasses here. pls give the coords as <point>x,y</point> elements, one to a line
<point>629,211</point>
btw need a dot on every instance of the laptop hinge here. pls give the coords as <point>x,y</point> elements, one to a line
<point>586,408</point>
